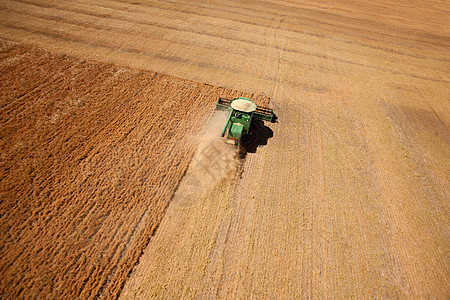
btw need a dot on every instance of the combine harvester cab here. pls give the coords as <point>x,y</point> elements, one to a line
<point>241,112</point>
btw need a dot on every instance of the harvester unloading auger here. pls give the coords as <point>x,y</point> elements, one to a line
<point>241,112</point>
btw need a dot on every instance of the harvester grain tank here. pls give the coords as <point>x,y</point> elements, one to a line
<point>241,112</point>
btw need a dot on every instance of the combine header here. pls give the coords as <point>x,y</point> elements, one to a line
<point>241,111</point>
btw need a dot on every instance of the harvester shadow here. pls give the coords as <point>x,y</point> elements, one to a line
<point>258,136</point>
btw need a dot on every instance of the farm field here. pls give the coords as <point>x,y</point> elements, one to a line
<point>91,156</point>
<point>348,199</point>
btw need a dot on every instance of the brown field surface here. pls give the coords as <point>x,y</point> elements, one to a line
<point>91,154</point>
<point>348,199</point>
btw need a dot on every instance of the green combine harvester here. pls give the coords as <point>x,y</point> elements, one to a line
<point>241,111</point>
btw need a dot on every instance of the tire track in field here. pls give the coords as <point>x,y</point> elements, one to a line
<point>144,35</point>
